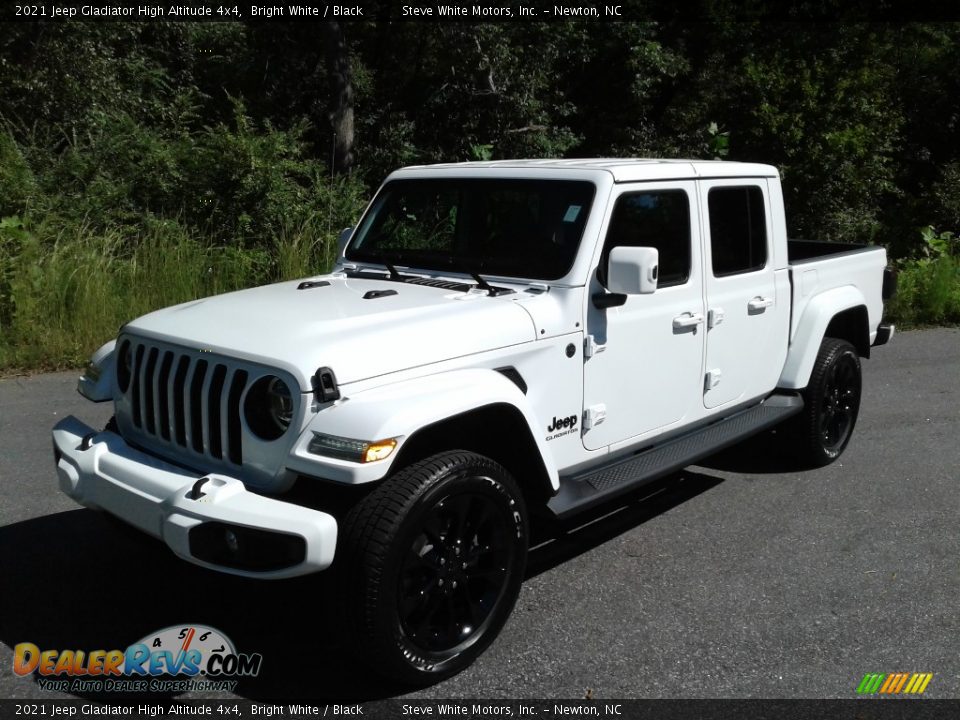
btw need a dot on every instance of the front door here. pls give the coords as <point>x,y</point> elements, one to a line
<point>645,373</point>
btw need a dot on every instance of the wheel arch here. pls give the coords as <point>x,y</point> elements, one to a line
<point>852,325</point>
<point>476,409</point>
<point>840,313</point>
<point>498,431</point>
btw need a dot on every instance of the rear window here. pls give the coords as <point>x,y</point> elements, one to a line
<point>738,229</point>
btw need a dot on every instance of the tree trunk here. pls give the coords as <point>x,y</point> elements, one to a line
<point>341,97</point>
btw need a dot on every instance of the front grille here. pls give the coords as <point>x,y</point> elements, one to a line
<point>182,400</point>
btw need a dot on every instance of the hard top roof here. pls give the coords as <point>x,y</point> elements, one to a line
<point>622,169</point>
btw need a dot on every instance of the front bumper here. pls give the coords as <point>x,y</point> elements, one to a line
<point>216,523</point>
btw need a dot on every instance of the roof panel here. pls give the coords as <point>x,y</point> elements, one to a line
<point>623,169</point>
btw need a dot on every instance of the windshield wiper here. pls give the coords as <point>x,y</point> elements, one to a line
<point>389,260</point>
<point>481,283</point>
<point>394,275</point>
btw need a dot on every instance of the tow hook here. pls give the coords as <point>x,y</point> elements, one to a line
<point>195,493</point>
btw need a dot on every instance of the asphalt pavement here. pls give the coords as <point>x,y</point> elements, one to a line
<point>739,578</point>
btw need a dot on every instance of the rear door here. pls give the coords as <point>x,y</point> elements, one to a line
<point>748,299</point>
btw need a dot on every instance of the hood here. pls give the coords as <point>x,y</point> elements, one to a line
<point>333,325</point>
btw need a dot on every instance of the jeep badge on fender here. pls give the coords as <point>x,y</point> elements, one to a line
<point>409,388</point>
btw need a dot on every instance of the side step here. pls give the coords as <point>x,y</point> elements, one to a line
<point>579,492</point>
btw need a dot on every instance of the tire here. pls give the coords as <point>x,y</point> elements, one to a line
<point>831,404</point>
<point>432,562</point>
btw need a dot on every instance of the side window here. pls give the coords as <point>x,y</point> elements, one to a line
<point>659,219</point>
<point>738,229</point>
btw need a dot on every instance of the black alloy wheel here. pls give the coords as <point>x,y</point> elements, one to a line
<point>432,562</point>
<point>831,404</point>
<point>455,572</point>
<point>840,402</point>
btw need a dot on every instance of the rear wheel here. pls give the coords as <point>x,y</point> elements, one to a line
<point>831,404</point>
<point>433,560</point>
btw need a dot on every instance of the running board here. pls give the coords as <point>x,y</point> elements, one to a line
<point>579,492</point>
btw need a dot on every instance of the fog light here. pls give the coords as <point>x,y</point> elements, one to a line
<point>361,451</point>
<point>245,548</point>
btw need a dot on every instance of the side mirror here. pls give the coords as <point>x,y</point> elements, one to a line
<point>342,239</point>
<point>633,270</point>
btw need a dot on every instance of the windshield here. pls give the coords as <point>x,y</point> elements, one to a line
<point>512,228</point>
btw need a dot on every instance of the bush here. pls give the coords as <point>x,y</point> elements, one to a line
<point>127,218</point>
<point>928,288</point>
<point>66,288</point>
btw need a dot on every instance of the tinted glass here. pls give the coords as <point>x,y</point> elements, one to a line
<point>738,229</point>
<point>519,228</point>
<point>659,219</point>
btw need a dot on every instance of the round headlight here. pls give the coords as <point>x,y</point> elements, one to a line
<point>280,402</point>
<point>268,408</point>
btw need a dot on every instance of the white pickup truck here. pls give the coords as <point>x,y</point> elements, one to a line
<point>496,338</point>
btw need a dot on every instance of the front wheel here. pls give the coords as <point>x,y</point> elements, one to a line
<point>433,560</point>
<point>831,404</point>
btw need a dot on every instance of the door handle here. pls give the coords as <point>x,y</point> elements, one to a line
<point>758,304</point>
<point>687,320</point>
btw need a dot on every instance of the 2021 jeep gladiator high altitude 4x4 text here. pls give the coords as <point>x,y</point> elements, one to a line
<point>495,337</point>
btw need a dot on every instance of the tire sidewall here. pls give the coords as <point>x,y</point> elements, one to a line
<point>474,475</point>
<point>831,356</point>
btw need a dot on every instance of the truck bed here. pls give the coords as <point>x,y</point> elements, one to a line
<point>801,251</point>
<point>818,267</point>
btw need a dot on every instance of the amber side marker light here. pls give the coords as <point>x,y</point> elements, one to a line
<point>361,451</point>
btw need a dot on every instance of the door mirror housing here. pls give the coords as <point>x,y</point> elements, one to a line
<point>633,270</point>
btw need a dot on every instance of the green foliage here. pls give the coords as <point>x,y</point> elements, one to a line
<point>70,289</point>
<point>207,145</point>
<point>719,142</point>
<point>17,183</point>
<point>939,244</point>
<point>928,287</point>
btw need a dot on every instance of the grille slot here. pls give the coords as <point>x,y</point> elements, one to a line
<point>179,382</point>
<point>136,385</point>
<point>187,402</point>
<point>233,415</point>
<point>163,386</point>
<point>150,391</point>
<point>213,414</point>
<point>197,416</point>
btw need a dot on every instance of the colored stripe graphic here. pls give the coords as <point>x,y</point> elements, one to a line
<point>870,683</point>
<point>891,679</point>
<point>894,683</point>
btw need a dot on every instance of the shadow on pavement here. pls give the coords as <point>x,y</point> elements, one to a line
<point>78,580</point>
<point>554,543</point>
<point>764,454</point>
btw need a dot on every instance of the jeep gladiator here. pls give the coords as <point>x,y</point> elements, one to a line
<point>495,338</point>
